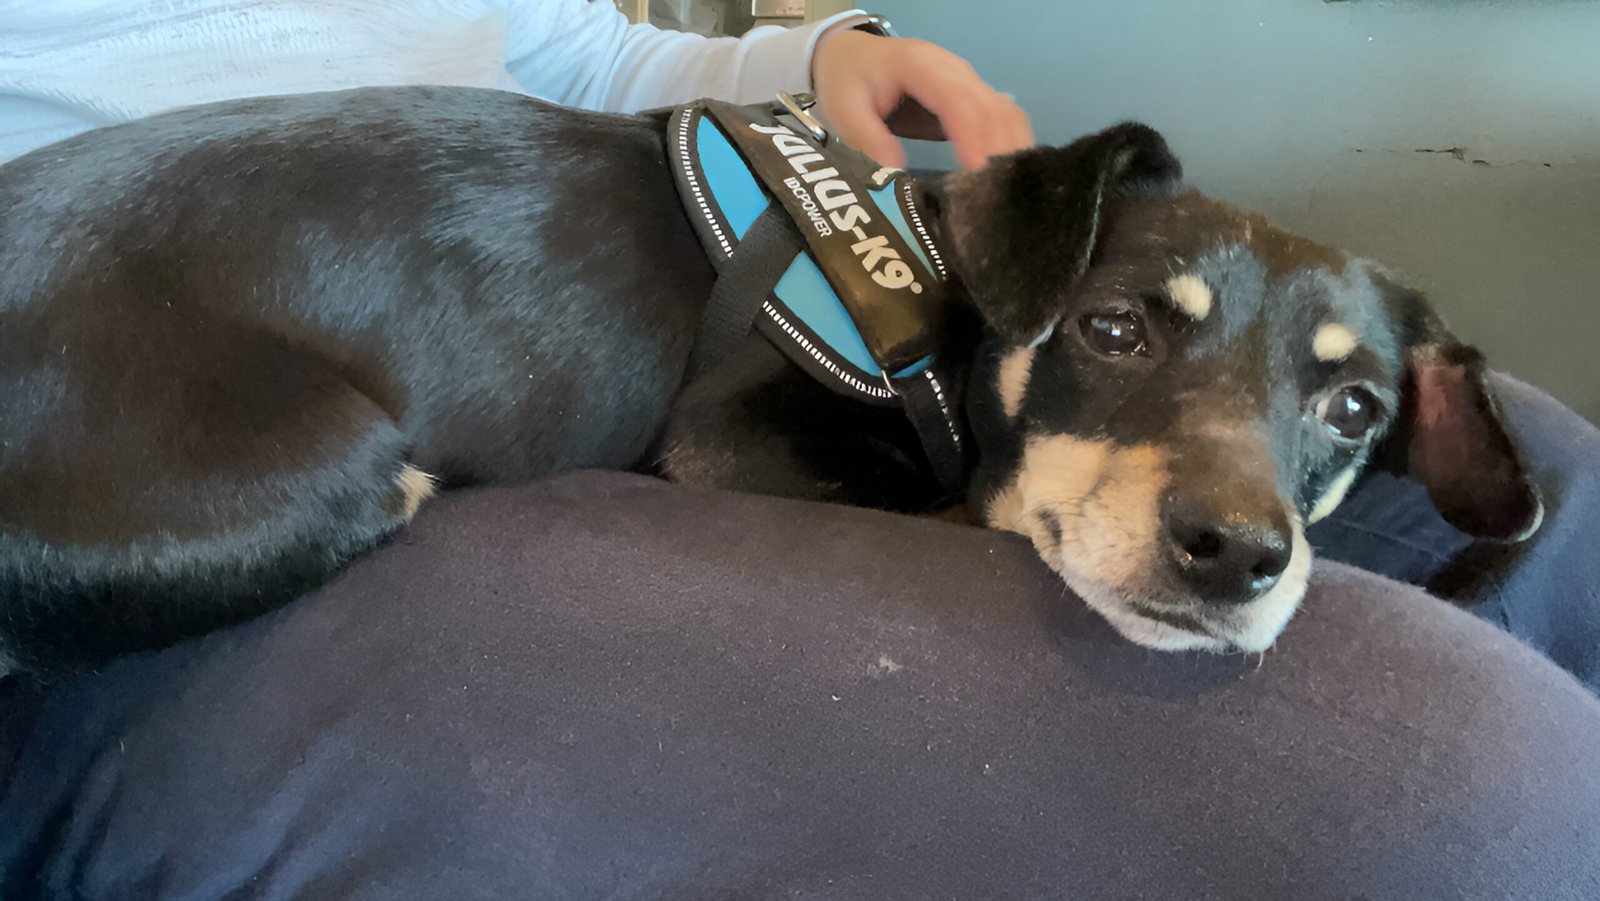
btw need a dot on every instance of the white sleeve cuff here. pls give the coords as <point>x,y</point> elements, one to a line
<point>797,46</point>
<point>656,68</point>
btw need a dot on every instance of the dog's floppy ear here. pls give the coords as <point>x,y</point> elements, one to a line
<point>1023,229</point>
<point>1449,435</point>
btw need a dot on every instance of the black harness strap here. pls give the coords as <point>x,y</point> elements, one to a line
<point>931,404</point>
<point>743,282</point>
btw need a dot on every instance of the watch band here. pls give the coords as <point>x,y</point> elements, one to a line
<point>877,25</point>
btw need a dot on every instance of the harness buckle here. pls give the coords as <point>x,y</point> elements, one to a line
<point>796,106</point>
<point>888,383</point>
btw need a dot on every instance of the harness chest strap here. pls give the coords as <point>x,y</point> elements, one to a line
<point>827,255</point>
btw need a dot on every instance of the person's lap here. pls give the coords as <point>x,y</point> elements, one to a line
<point>1547,591</point>
<point>602,685</point>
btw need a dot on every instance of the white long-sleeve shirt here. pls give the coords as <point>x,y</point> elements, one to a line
<point>67,66</point>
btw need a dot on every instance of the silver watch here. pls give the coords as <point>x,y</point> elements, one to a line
<point>877,25</point>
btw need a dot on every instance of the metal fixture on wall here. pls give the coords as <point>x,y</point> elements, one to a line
<point>778,12</point>
<point>728,16</point>
<point>794,12</point>
<point>635,10</point>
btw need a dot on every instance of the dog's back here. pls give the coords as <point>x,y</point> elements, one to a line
<point>236,341</point>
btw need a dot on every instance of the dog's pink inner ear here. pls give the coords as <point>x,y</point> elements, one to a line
<point>1440,417</point>
<point>1461,452</point>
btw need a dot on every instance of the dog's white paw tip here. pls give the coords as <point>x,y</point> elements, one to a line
<point>416,487</point>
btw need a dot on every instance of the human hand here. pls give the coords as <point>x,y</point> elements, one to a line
<point>871,88</point>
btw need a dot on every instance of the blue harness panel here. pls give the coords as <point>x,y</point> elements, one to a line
<point>805,316</point>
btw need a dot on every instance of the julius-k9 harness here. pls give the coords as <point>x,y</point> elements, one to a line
<point>826,255</point>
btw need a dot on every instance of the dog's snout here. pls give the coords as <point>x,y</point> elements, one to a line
<point>1227,558</point>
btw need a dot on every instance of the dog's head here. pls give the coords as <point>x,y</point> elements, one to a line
<point>1170,390</point>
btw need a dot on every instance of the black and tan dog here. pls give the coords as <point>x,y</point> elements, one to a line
<point>241,343</point>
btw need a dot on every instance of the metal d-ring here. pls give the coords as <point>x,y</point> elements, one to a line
<point>796,106</point>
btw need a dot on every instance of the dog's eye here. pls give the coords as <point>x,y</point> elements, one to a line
<point>1350,412</point>
<point>1114,333</point>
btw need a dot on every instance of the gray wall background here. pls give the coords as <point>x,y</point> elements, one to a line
<point>1457,142</point>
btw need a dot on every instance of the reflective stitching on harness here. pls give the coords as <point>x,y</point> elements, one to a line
<point>927,239</point>
<point>822,358</point>
<point>693,178</point>
<point>938,395</point>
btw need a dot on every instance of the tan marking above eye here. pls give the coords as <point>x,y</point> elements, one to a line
<point>1013,384</point>
<point>1334,343</point>
<point>1191,296</point>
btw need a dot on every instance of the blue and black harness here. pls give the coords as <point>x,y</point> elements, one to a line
<point>826,255</point>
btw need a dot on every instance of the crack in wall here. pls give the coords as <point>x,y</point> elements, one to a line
<point>1458,154</point>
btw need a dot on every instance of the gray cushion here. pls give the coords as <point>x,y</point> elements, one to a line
<point>607,686</point>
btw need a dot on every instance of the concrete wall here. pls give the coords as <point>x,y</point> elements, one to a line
<point>1457,142</point>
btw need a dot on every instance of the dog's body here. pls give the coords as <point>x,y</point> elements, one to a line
<point>239,343</point>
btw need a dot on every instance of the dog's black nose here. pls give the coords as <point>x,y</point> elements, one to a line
<point>1228,559</point>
